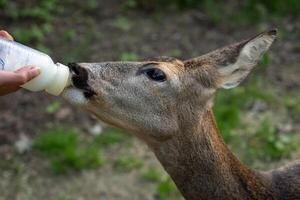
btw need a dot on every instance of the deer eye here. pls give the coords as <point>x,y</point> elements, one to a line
<point>155,74</point>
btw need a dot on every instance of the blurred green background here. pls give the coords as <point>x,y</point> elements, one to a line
<point>50,150</point>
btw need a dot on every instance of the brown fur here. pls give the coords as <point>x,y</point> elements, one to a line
<point>207,169</point>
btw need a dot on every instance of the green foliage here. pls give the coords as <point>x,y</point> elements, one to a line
<point>34,33</point>
<point>275,6</point>
<point>125,163</point>
<point>53,107</point>
<point>69,35</point>
<point>39,14</point>
<point>265,61</point>
<point>111,137</point>
<point>42,10</point>
<point>53,141</point>
<point>129,57</point>
<point>3,3</point>
<point>235,12</point>
<point>83,43</point>
<point>268,143</point>
<point>249,11</point>
<point>292,102</point>
<point>91,4</point>
<point>60,198</point>
<point>122,23</point>
<point>167,188</point>
<point>66,152</point>
<point>230,103</point>
<point>152,174</point>
<point>129,4</point>
<point>175,53</point>
<point>227,112</point>
<point>159,4</point>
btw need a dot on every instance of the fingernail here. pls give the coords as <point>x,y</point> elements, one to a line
<point>36,70</point>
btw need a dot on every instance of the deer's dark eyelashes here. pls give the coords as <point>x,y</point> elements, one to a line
<point>155,74</point>
<point>152,72</point>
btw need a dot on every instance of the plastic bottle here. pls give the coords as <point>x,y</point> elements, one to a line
<point>53,78</point>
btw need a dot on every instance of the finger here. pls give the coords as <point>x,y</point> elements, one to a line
<point>25,69</point>
<point>28,72</point>
<point>6,35</point>
<point>18,77</point>
<point>9,79</point>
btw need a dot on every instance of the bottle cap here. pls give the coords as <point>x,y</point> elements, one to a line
<point>60,81</point>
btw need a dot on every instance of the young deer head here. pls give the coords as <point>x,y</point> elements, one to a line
<point>167,103</point>
<point>150,97</point>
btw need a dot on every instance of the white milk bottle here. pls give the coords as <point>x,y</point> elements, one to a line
<point>53,78</point>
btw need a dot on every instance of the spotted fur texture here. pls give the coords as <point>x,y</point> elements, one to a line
<point>174,118</point>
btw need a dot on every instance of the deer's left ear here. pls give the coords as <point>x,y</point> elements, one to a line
<point>249,54</point>
<point>234,62</point>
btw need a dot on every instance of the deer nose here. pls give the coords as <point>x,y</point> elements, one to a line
<point>79,76</point>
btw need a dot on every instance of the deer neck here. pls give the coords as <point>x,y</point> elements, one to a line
<point>203,167</point>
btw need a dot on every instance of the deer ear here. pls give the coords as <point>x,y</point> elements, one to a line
<point>245,56</point>
<point>234,62</point>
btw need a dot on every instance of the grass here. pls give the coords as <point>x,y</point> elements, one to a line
<point>227,12</point>
<point>152,175</point>
<point>43,10</point>
<point>175,53</point>
<point>292,103</point>
<point>53,107</point>
<point>266,142</point>
<point>229,105</point>
<point>122,23</point>
<point>34,19</point>
<point>129,57</point>
<point>269,144</point>
<point>126,163</point>
<point>60,198</point>
<point>66,151</point>
<point>166,189</point>
<point>111,137</point>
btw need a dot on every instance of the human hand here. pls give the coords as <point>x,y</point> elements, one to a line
<point>6,35</point>
<point>11,81</point>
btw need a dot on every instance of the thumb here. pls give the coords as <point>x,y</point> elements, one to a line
<point>27,73</point>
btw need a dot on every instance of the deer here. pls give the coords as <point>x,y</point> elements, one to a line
<point>167,103</point>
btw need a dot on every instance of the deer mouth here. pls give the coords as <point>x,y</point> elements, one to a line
<point>80,91</point>
<point>79,77</point>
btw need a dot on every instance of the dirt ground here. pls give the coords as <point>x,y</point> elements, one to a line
<point>27,177</point>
